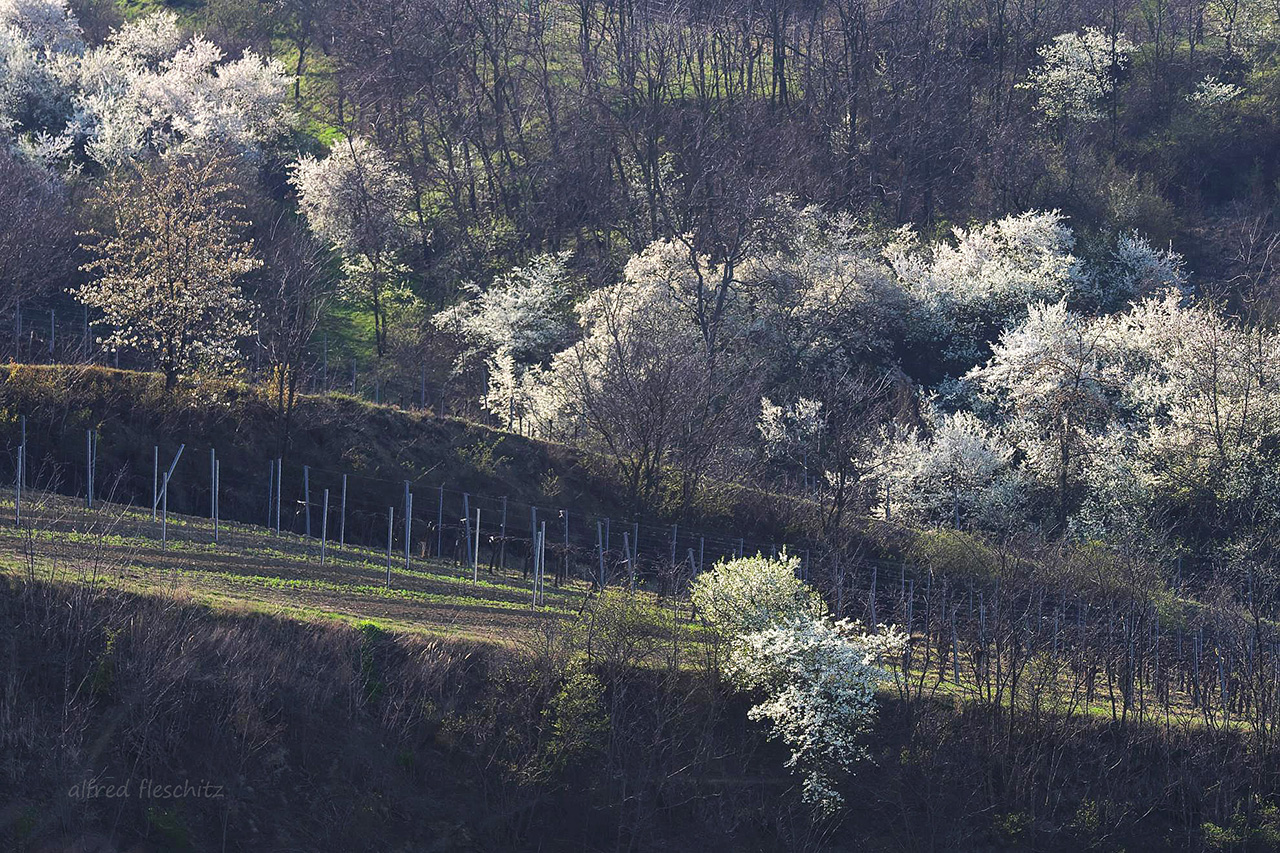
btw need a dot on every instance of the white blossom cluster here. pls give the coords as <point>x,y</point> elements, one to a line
<point>147,88</point>
<point>48,25</point>
<point>790,431</point>
<point>512,393</point>
<point>40,47</point>
<point>823,294</point>
<point>355,198</point>
<point>1057,408</point>
<point>1141,270</point>
<point>820,293</point>
<point>1077,73</point>
<point>1169,397</point>
<point>1212,92</point>
<point>357,201</point>
<point>528,311</point>
<point>817,677</point>
<point>1205,383</point>
<point>683,278</point>
<point>960,472</point>
<point>639,342</point>
<point>962,290</point>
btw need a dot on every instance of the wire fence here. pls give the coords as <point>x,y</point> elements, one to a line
<point>425,519</point>
<point>990,638</point>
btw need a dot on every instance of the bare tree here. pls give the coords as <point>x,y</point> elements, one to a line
<point>36,236</point>
<point>296,286</point>
<point>641,386</point>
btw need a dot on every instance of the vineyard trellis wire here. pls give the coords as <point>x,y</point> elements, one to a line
<point>993,639</point>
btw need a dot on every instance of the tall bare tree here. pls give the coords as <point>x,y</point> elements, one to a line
<point>296,285</point>
<point>37,239</point>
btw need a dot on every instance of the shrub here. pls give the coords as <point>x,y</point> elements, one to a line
<point>623,629</point>
<point>819,680</point>
<point>740,596</point>
<point>818,677</point>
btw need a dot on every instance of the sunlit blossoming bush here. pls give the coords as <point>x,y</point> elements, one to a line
<point>1077,74</point>
<point>817,677</point>
<point>354,198</point>
<point>791,433</point>
<point>1212,92</point>
<point>738,597</point>
<point>961,471</point>
<point>819,680</point>
<point>962,289</point>
<point>1140,269</point>
<point>146,89</point>
<point>528,312</point>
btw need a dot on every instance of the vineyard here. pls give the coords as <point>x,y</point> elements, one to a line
<point>1022,638</point>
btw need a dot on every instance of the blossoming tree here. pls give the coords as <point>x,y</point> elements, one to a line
<point>816,677</point>
<point>167,264</point>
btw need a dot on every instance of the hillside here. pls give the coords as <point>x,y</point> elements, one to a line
<point>338,697</point>
<point>633,426</point>
<point>255,732</point>
<point>378,447</point>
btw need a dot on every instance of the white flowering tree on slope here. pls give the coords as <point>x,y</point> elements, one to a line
<point>960,471</point>
<point>1050,379</point>
<point>630,383</point>
<point>46,24</point>
<point>528,311</point>
<point>816,677</point>
<point>1204,387</point>
<point>147,89</point>
<point>964,290</point>
<point>1077,74</point>
<point>40,44</point>
<point>961,292</point>
<point>355,199</point>
<point>658,379</point>
<point>167,263</point>
<point>1139,270</point>
<point>515,325</point>
<point>820,294</point>
<point>1121,422</point>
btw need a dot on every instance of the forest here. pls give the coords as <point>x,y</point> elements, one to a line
<point>1003,271</point>
<point>1004,268</point>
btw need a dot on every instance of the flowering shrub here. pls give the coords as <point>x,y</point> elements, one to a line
<point>963,289</point>
<point>146,89</point>
<point>1212,92</point>
<point>1052,378</point>
<point>1140,270</point>
<point>819,680</point>
<point>354,198</point>
<point>962,471</point>
<point>818,677</point>
<point>1077,74</point>
<point>528,312</point>
<point>738,597</point>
